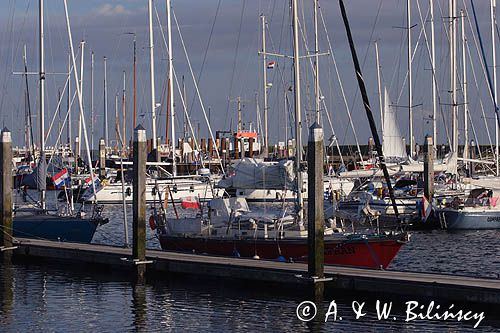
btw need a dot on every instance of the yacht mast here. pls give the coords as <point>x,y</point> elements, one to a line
<point>69,104</point>
<point>124,117</point>
<point>298,121</point>
<point>152,75</point>
<point>453,73</point>
<point>42,98</point>
<point>316,62</point>
<point>184,96</point>
<point>106,142</point>
<point>495,91</point>
<point>78,148</point>
<point>264,78</point>
<point>135,80</point>
<point>117,123</point>
<point>410,87</point>
<point>434,82</point>
<point>92,102</point>
<point>466,101</point>
<point>171,86</point>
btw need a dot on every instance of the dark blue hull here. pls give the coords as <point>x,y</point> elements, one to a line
<point>56,228</point>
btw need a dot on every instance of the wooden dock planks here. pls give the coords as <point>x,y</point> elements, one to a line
<point>408,284</point>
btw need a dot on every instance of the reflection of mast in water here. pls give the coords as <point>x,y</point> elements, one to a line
<point>6,290</point>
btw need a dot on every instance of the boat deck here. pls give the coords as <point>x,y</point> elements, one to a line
<point>410,284</point>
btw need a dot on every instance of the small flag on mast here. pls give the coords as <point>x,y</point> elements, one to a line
<point>271,64</point>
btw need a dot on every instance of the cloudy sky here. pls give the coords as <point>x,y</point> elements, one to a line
<point>222,39</point>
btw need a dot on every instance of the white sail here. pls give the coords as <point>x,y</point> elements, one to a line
<point>393,144</point>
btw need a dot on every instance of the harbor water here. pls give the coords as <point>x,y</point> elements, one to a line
<point>53,298</point>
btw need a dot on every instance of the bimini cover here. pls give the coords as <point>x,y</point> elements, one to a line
<point>252,173</point>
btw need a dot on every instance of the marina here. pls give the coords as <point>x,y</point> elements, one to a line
<point>132,172</point>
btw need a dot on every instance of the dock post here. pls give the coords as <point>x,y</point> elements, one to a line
<point>6,193</point>
<point>139,202</point>
<point>203,146</point>
<point>315,213</point>
<point>428,168</point>
<point>236,148</point>
<point>102,158</point>
<point>250,147</point>
<point>210,148</point>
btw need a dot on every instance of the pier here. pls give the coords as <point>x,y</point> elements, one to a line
<point>405,284</point>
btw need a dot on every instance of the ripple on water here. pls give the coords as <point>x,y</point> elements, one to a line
<point>49,299</point>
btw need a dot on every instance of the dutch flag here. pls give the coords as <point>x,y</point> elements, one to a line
<point>61,178</point>
<point>271,64</point>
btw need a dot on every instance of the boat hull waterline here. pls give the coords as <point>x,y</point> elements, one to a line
<point>369,253</point>
<point>55,228</point>
<point>473,219</point>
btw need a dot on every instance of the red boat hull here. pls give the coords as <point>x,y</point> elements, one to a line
<point>376,252</point>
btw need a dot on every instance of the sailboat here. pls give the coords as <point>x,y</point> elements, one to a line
<point>226,226</point>
<point>176,187</point>
<point>39,222</point>
<point>477,209</point>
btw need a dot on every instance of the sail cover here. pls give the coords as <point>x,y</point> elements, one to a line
<point>41,173</point>
<point>252,173</point>
<point>393,145</point>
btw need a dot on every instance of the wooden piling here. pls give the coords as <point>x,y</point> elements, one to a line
<point>315,213</point>
<point>250,147</point>
<point>236,148</point>
<point>102,158</point>
<point>210,148</point>
<point>139,202</point>
<point>181,147</point>
<point>191,144</point>
<point>6,195</point>
<point>203,146</point>
<point>428,168</point>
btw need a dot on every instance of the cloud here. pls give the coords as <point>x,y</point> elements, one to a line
<point>108,9</point>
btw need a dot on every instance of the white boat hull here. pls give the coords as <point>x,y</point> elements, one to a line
<point>470,219</point>
<point>178,189</point>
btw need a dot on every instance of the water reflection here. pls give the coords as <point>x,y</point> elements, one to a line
<point>6,291</point>
<point>139,306</point>
<point>41,298</point>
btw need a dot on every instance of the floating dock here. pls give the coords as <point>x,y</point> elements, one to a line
<point>418,285</point>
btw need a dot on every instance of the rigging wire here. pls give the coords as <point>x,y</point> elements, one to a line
<point>206,52</point>
<point>476,43</point>
<point>234,63</point>
<point>433,71</point>
<point>197,89</point>
<point>344,97</point>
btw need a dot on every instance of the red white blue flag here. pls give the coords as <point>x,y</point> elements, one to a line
<point>61,178</point>
<point>271,64</point>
